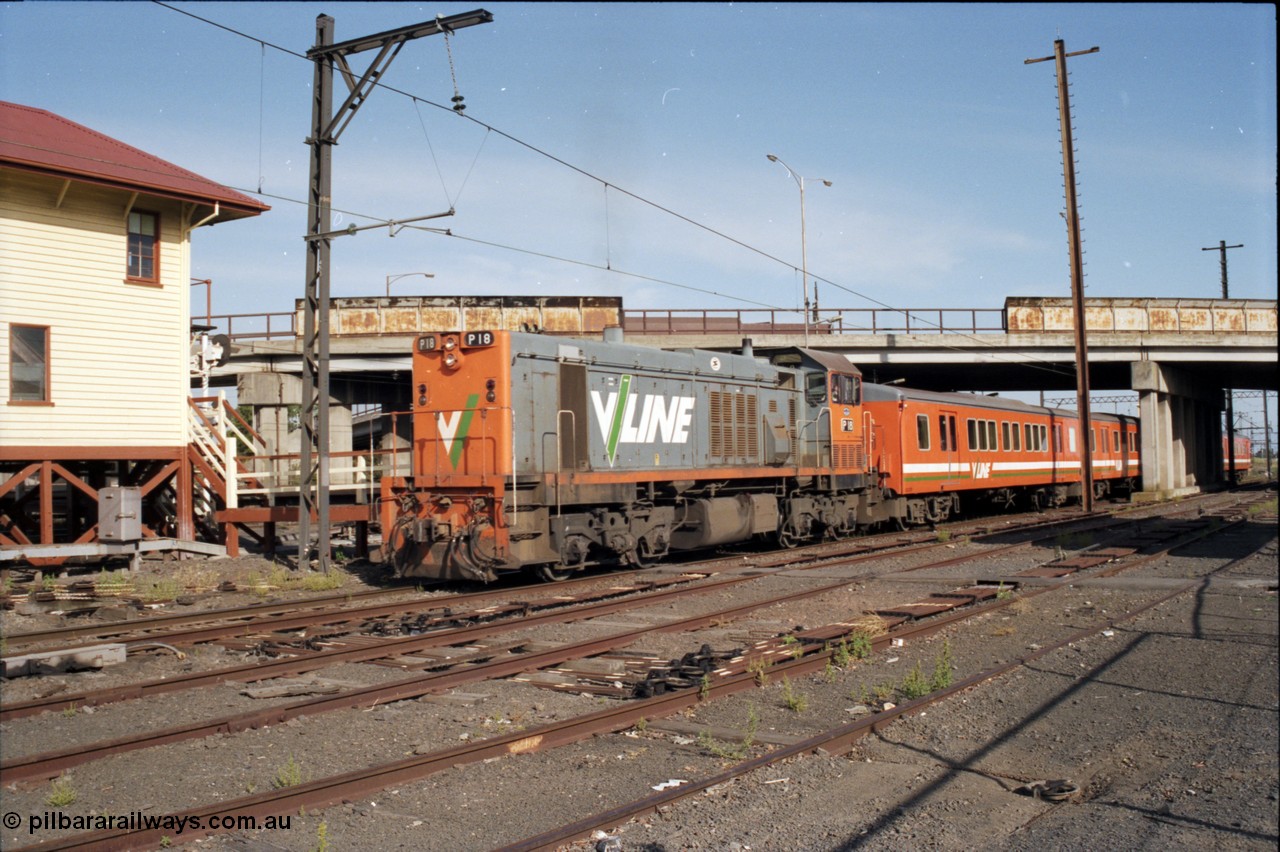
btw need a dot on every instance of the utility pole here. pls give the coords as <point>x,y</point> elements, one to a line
<point>1222,263</point>
<point>326,126</point>
<point>1222,247</point>
<point>1266,431</point>
<point>1077,267</point>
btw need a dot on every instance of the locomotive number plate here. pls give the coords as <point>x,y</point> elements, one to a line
<point>477,338</point>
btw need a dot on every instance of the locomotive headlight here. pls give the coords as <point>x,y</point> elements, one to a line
<point>490,385</point>
<point>450,360</point>
<point>450,343</point>
<point>422,396</point>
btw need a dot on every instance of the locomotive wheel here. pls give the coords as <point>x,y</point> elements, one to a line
<point>787,538</point>
<point>635,560</point>
<point>551,575</point>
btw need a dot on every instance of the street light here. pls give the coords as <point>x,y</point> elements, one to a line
<point>391,278</point>
<point>804,262</point>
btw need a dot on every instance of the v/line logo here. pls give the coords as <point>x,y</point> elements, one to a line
<point>454,427</point>
<point>627,418</point>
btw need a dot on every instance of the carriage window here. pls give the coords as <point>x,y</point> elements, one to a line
<point>951,427</point>
<point>1004,435</point>
<point>942,431</point>
<point>1030,444</point>
<point>991,435</point>
<point>1016,431</point>
<point>1057,437</point>
<point>1093,442</point>
<point>1133,441</point>
<point>1044,437</point>
<point>1115,442</point>
<point>922,431</point>
<point>973,433</point>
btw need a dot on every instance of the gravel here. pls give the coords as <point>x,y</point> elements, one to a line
<point>1168,726</point>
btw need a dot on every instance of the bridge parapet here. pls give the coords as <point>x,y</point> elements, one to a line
<point>1176,316</point>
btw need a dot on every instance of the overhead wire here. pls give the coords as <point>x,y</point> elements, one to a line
<point>415,99</point>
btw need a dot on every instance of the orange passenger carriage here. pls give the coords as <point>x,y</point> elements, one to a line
<point>933,447</point>
<point>1239,458</point>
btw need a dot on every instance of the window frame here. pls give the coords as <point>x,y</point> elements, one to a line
<point>130,278</point>
<point>47,379</point>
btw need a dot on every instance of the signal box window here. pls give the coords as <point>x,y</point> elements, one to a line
<point>144,247</point>
<point>29,365</point>
<point>922,431</point>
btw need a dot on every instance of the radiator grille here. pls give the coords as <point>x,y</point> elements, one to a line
<point>735,430</point>
<point>849,456</point>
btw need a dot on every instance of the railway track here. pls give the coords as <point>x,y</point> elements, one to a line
<point>485,622</point>
<point>184,629</point>
<point>732,677</point>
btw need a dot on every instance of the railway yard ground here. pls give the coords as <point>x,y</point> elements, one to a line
<point>1102,683</point>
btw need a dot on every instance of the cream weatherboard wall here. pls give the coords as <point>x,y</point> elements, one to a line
<point>118,373</point>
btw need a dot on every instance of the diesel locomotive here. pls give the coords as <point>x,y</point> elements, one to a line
<point>534,452</point>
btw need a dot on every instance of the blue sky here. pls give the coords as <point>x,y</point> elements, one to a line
<point>942,146</point>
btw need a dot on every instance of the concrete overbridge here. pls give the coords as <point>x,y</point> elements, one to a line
<point>1178,355</point>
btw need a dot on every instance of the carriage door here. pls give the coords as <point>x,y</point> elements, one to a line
<point>950,449</point>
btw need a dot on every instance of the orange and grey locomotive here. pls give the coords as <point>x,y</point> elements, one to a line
<point>532,451</point>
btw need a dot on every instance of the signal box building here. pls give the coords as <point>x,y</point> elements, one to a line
<point>95,333</point>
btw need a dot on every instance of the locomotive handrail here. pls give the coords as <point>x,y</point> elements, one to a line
<point>803,424</point>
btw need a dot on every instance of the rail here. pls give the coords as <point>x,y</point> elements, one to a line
<point>283,324</point>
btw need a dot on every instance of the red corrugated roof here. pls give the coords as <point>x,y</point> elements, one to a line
<point>38,140</point>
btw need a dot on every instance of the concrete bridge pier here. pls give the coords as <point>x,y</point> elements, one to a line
<point>1181,430</point>
<point>271,394</point>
